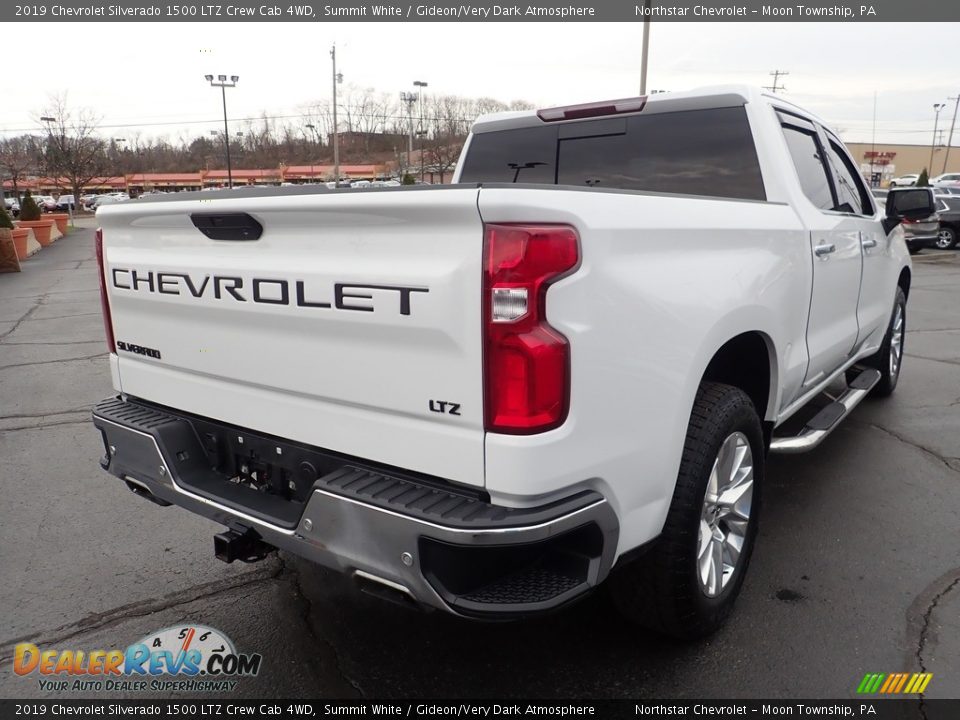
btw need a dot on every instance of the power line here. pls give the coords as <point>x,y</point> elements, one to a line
<point>777,74</point>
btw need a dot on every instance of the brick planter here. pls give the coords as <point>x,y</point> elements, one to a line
<point>61,219</point>
<point>42,230</point>
<point>21,238</point>
<point>9,260</point>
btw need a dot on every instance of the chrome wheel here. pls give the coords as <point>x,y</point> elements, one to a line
<point>896,340</point>
<point>945,239</point>
<point>726,514</point>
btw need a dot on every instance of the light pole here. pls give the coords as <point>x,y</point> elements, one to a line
<point>49,120</point>
<point>419,85</point>
<point>937,107</point>
<point>337,80</point>
<point>409,98</point>
<point>221,82</point>
<point>953,122</point>
<point>646,47</point>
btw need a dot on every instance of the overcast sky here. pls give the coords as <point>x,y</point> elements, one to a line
<point>145,74</point>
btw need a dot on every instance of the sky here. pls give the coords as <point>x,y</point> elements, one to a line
<point>149,76</point>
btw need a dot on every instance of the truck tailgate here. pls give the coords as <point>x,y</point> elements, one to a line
<point>336,328</point>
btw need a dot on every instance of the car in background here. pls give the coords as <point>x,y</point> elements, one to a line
<point>944,179</point>
<point>950,189</point>
<point>13,207</point>
<point>46,203</point>
<point>918,233</point>
<point>109,200</point>
<point>65,203</point>
<point>905,180</point>
<point>949,212</point>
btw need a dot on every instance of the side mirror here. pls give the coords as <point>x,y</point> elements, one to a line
<point>912,203</point>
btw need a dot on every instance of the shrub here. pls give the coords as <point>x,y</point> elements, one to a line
<point>5,221</point>
<point>29,210</point>
<point>408,179</point>
<point>924,179</point>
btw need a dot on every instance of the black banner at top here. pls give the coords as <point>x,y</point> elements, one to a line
<point>868,708</point>
<point>478,11</point>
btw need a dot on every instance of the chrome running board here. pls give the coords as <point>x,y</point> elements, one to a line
<point>825,421</point>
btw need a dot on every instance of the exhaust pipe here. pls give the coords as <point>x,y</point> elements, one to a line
<point>244,545</point>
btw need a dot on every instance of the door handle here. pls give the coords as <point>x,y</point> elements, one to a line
<point>868,243</point>
<point>823,250</point>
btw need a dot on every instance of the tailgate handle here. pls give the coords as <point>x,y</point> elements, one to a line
<point>227,226</point>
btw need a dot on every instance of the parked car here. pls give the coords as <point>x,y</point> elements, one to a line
<point>566,379</point>
<point>905,180</point>
<point>13,207</point>
<point>949,212</point>
<point>945,178</point>
<point>919,231</point>
<point>66,203</point>
<point>46,203</point>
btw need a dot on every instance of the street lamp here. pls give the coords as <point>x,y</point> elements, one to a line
<point>222,83</point>
<point>937,107</point>
<point>419,85</point>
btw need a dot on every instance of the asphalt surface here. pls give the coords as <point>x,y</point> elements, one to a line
<point>856,569</point>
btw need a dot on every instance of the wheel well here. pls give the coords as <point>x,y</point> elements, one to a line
<point>744,362</point>
<point>904,281</point>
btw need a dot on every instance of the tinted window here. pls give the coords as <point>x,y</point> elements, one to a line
<point>805,152</point>
<point>698,152</point>
<point>703,152</point>
<point>527,155</point>
<point>850,189</point>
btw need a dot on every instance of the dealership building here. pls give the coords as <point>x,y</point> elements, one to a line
<point>889,161</point>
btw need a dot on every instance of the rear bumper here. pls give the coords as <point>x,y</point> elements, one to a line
<point>412,537</point>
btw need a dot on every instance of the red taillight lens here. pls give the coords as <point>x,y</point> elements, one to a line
<point>104,303</point>
<point>527,362</point>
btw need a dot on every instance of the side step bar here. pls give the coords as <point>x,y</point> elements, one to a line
<point>825,421</point>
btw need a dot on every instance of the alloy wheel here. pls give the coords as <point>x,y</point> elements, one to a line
<point>725,517</point>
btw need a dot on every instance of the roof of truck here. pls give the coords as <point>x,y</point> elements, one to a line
<point>697,99</point>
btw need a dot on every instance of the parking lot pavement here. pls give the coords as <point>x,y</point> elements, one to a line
<point>856,569</point>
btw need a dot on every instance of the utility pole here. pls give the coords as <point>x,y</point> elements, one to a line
<point>336,131</point>
<point>420,85</point>
<point>777,74</point>
<point>646,47</point>
<point>937,107</point>
<point>953,122</point>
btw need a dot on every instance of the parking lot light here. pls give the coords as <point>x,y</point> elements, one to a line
<point>221,82</point>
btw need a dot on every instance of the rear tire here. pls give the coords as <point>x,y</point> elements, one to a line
<point>947,238</point>
<point>686,584</point>
<point>889,358</point>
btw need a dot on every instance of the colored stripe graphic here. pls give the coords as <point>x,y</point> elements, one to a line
<point>894,683</point>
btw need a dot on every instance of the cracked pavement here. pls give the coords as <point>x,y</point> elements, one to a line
<point>857,567</point>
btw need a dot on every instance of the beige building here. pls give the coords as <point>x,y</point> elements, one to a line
<point>891,161</point>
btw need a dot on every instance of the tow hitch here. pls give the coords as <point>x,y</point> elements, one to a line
<point>243,544</point>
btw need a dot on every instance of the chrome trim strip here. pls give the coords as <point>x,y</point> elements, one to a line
<point>383,581</point>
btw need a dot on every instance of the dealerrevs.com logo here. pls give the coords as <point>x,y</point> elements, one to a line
<point>184,657</point>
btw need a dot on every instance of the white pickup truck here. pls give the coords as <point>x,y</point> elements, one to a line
<point>488,398</point>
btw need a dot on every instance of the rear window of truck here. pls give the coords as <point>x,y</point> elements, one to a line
<point>694,152</point>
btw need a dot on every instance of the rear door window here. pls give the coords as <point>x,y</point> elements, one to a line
<point>808,162</point>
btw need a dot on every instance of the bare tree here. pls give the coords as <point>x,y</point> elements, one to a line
<point>441,154</point>
<point>73,148</point>
<point>18,156</point>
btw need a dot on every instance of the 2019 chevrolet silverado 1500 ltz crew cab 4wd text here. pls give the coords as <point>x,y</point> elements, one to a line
<point>490,397</point>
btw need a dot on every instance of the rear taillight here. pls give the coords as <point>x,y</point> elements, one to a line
<point>104,302</point>
<point>527,362</point>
